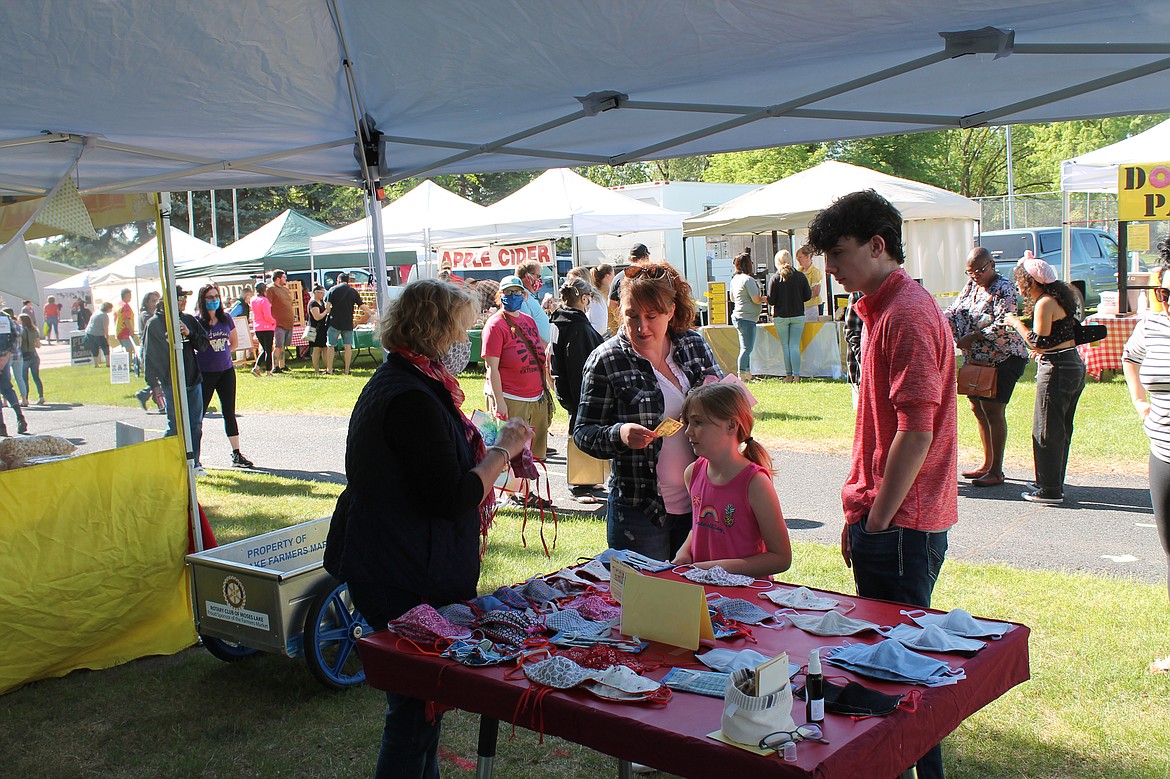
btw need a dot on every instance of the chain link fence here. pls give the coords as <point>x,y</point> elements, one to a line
<point>1097,210</point>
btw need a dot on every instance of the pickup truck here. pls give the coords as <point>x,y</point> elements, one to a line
<point>1093,264</point>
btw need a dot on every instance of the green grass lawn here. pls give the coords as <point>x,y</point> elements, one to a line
<point>1090,710</point>
<point>813,416</point>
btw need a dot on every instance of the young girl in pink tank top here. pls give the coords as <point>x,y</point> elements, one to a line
<point>736,518</point>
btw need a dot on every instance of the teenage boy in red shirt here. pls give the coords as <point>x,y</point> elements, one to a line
<point>901,496</point>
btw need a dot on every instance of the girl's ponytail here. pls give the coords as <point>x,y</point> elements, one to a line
<point>754,451</point>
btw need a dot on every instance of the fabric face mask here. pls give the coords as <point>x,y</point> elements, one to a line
<point>424,624</point>
<point>743,611</point>
<point>558,672</point>
<point>710,683</point>
<point>512,301</point>
<point>595,569</point>
<point>213,305</point>
<point>728,660</point>
<point>856,700</point>
<point>831,623</point>
<point>477,653</point>
<point>800,598</point>
<point>960,622</point>
<point>457,357</point>
<point>596,609</point>
<point>539,591</point>
<point>718,576</point>
<point>890,661</point>
<point>458,614</point>
<point>570,621</point>
<point>934,639</point>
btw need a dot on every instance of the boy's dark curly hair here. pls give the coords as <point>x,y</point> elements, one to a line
<point>861,216</point>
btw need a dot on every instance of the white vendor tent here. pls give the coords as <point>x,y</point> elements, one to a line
<point>138,267</point>
<point>937,232</point>
<point>406,222</point>
<point>1096,171</point>
<point>558,204</point>
<point>406,229</point>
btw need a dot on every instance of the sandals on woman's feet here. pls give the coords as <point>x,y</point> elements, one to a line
<point>988,480</point>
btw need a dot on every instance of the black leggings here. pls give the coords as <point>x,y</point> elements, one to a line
<point>265,338</point>
<point>1160,496</point>
<point>222,383</point>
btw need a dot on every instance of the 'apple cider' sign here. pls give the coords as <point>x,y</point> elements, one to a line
<point>498,257</point>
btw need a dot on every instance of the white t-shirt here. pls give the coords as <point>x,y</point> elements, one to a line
<point>598,314</point>
<point>676,453</point>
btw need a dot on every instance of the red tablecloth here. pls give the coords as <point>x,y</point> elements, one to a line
<point>1106,354</point>
<point>674,738</point>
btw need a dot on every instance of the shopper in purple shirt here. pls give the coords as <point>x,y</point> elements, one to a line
<point>219,372</point>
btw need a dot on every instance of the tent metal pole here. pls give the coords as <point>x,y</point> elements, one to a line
<point>178,372</point>
<point>235,216</point>
<point>190,214</point>
<point>214,221</point>
<point>1065,238</point>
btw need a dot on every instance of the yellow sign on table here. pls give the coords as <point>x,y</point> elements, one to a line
<point>664,610</point>
<point>1143,191</point>
<point>717,303</point>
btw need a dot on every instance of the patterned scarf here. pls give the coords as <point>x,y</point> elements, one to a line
<point>434,369</point>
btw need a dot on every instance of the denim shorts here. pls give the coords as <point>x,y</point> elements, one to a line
<point>345,336</point>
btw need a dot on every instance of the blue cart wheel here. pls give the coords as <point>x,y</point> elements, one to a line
<point>332,627</point>
<point>228,651</point>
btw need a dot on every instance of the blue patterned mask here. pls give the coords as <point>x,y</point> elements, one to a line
<point>512,301</point>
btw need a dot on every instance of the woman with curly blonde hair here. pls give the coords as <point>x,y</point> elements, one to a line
<point>418,497</point>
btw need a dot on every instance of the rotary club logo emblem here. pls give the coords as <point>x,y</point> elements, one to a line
<point>233,592</point>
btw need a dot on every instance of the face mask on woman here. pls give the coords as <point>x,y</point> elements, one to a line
<point>512,301</point>
<point>213,305</point>
<point>457,357</point>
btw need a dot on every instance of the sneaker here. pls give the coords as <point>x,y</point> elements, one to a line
<point>240,461</point>
<point>141,401</point>
<point>1043,496</point>
<point>22,426</point>
<point>42,402</point>
<point>199,471</point>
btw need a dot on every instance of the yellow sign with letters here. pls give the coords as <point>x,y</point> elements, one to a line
<point>1143,191</point>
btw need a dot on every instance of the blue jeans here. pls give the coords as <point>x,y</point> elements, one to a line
<point>747,342</point>
<point>790,329</point>
<point>410,743</point>
<point>901,565</point>
<point>16,362</point>
<point>629,528</point>
<point>1060,378</point>
<point>194,414</point>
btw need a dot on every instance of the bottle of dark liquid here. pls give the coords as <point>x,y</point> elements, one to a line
<point>814,689</point>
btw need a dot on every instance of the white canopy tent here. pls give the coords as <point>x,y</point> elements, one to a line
<point>558,204</point>
<point>406,223</point>
<point>938,229</point>
<point>140,265</point>
<point>1096,171</point>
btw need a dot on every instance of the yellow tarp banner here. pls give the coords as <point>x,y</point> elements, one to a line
<point>92,562</point>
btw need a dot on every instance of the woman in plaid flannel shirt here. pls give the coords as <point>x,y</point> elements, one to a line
<point>632,382</point>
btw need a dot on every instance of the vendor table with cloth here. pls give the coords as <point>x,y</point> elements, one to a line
<point>1106,354</point>
<point>674,737</point>
<point>820,349</point>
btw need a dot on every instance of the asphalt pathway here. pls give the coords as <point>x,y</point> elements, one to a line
<point>1105,526</point>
